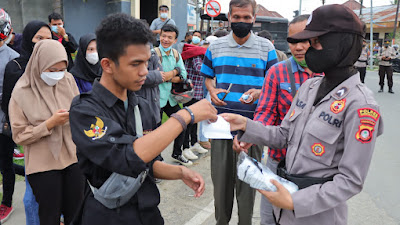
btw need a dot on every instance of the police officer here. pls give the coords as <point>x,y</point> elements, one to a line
<point>107,127</point>
<point>330,129</point>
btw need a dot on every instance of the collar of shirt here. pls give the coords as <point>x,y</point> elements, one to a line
<point>165,54</point>
<point>248,44</point>
<point>346,86</point>
<point>295,66</point>
<point>109,98</point>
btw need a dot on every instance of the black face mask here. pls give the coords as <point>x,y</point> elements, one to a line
<point>189,40</point>
<point>241,29</point>
<point>320,61</point>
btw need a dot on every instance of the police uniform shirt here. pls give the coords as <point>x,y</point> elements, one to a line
<point>104,132</point>
<point>336,137</point>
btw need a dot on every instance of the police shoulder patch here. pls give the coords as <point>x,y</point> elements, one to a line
<point>338,106</point>
<point>96,131</point>
<point>318,149</point>
<point>368,112</point>
<point>364,133</point>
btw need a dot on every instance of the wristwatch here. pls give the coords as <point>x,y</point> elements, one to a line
<point>65,36</point>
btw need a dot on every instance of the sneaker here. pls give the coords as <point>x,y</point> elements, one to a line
<point>182,160</point>
<point>205,144</point>
<point>197,147</point>
<point>189,154</point>
<point>17,154</point>
<point>5,212</point>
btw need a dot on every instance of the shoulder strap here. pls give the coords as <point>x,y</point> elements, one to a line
<point>291,77</point>
<point>158,52</point>
<point>176,54</point>
<point>20,67</point>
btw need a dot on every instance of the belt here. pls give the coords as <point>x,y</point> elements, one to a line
<point>300,180</point>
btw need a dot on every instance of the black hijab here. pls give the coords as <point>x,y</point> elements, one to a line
<point>82,68</point>
<point>336,59</point>
<point>27,45</point>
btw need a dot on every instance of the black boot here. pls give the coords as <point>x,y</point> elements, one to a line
<point>391,91</point>
<point>381,90</point>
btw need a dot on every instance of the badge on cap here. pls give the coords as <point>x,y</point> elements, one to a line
<point>97,130</point>
<point>318,149</point>
<point>364,133</point>
<point>338,106</point>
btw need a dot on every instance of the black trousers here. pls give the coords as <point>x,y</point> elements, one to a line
<point>191,130</point>
<point>58,192</point>
<point>388,70</point>
<point>362,71</point>
<point>8,168</point>
<point>169,110</point>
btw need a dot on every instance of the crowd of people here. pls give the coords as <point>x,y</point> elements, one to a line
<point>92,127</point>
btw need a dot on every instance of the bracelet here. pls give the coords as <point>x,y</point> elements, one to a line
<point>180,120</point>
<point>191,115</point>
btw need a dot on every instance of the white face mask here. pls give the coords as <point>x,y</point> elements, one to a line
<point>8,39</point>
<point>92,58</point>
<point>164,15</point>
<point>51,78</point>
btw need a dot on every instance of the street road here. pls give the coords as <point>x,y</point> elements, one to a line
<point>377,204</point>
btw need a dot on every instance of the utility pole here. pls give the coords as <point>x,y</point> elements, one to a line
<point>395,22</point>
<point>371,33</point>
<point>361,2</point>
<point>300,8</point>
<point>197,14</point>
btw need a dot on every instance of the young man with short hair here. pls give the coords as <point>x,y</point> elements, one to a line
<point>175,72</point>
<point>59,33</point>
<point>240,59</point>
<point>158,23</point>
<point>107,127</point>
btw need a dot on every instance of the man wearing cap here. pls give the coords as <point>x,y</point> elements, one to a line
<point>330,129</point>
<point>385,56</point>
<point>158,23</point>
<point>280,85</point>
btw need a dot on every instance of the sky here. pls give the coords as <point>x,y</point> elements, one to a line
<point>286,7</point>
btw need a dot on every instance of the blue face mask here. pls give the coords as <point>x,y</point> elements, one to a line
<point>165,49</point>
<point>54,29</point>
<point>196,40</point>
<point>164,15</point>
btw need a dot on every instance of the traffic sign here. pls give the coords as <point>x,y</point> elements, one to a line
<point>213,8</point>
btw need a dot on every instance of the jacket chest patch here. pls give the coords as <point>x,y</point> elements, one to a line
<point>338,106</point>
<point>300,104</point>
<point>318,149</point>
<point>328,118</point>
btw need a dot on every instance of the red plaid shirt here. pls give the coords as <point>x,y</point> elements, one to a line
<point>276,98</point>
<point>193,67</point>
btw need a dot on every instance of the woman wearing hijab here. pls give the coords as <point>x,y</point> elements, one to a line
<point>39,119</point>
<point>34,32</point>
<point>86,65</point>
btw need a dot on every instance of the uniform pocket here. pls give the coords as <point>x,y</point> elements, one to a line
<point>322,140</point>
<point>288,87</point>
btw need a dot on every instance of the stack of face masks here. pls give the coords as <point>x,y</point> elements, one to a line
<point>259,176</point>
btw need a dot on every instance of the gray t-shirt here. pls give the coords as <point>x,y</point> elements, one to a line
<point>158,23</point>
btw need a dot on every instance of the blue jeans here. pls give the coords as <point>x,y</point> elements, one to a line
<point>31,206</point>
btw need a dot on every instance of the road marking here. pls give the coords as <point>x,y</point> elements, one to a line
<point>202,216</point>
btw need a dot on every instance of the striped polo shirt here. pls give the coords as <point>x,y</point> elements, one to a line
<point>244,66</point>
